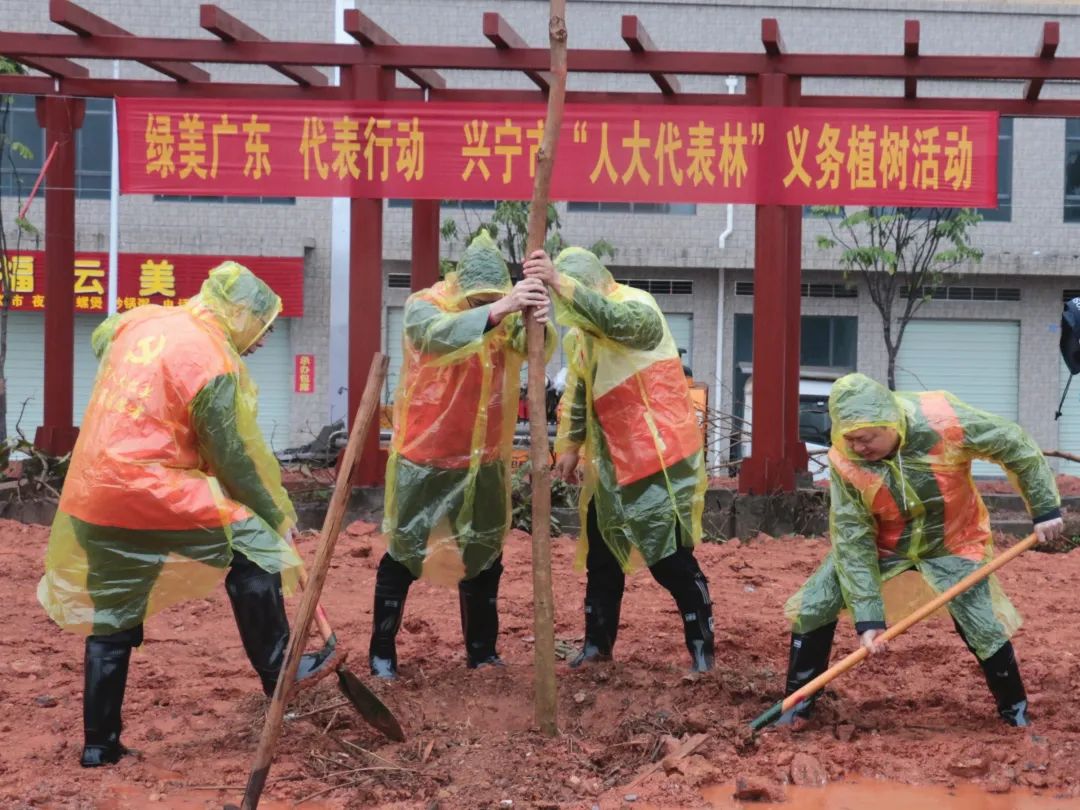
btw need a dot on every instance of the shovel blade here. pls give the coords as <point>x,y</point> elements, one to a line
<point>373,710</point>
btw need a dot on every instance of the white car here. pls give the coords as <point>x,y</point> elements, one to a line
<point>814,423</point>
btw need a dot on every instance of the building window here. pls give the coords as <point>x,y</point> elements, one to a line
<point>681,209</point>
<point>190,198</point>
<point>1072,169</point>
<point>1003,213</point>
<point>828,340</point>
<point>469,205</point>
<point>93,149</point>
<point>825,340</point>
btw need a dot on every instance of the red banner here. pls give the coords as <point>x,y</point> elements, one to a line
<point>788,156</point>
<point>304,379</point>
<point>148,278</point>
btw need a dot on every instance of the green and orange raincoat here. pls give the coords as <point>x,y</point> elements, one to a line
<point>447,505</point>
<point>170,471</point>
<point>918,509</point>
<point>627,403</point>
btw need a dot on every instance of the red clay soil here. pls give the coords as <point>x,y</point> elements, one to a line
<point>920,714</point>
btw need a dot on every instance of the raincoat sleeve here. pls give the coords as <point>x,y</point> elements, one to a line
<point>572,413</point>
<point>102,335</point>
<point>519,337</point>
<point>435,331</point>
<point>854,535</point>
<point>573,407</point>
<point>1005,443</point>
<point>634,324</point>
<point>234,449</point>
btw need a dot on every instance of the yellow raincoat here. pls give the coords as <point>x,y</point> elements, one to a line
<point>170,471</point>
<point>918,509</point>
<point>627,402</point>
<point>447,479</point>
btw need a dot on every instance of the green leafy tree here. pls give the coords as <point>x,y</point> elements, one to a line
<point>508,225</point>
<point>902,255</point>
<point>9,179</point>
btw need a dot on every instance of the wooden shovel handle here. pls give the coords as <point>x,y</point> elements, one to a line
<point>309,604</point>
<point>974,578</point>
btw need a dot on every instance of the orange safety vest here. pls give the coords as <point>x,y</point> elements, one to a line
<point>449,408</point>
<point>643,403</point>
<point>443,405</point>
<point>137,441</point>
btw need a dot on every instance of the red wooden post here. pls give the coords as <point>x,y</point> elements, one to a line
<point>60,117</point>
<point>794,446</point>
<point>425,243</point>
<point>776,335</point>
<point>365,284</point>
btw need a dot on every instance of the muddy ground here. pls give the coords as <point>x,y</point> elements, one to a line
<point>921,714</point>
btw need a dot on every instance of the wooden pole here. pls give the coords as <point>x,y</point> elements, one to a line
<point>543,616</point>
<point>840,667</point>
<point>275,714</point>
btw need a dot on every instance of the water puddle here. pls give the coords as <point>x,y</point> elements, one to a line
<point>137,797</point>
<point>881,795</point>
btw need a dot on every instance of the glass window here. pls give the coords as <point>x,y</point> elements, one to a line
<point>1072,169</point>
<point>22,127</point>
<point>93,149</point>
<point>1003,213</point>
<point>682,209</point>
<point>235,200</point>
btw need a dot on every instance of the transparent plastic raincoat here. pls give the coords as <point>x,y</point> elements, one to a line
<point>447,506</point>
<point>918,509</point>
<point>627,403</point>
<point>170,471</point>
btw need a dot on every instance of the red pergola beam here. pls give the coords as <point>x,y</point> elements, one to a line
<point>367,32</point>
<point>1051,38</point>
<point>229,29</point>
<point>57,68</point>
<point>87,24</point>
<point>911,51</point>
<point>416,57</point>
<point>137,88</point>
<point>639,41</point>
<point>500,33</point>
<point>770,37</point>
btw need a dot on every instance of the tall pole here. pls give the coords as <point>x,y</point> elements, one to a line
<point>543,617</point>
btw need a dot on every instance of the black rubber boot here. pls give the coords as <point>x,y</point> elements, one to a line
<point>386,621</point>
<point>809,658</point>
<point>1003,677</point>
<point>259,608</point>
<point>601,628</point>
<point>698,625</point>
<point>105,671</point>
<point>479,599</point>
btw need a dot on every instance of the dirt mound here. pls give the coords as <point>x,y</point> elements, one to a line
<point>922,714</point>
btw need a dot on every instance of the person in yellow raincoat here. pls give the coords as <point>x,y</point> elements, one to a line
<point>170,486</point>
<point>627,403</point>
<point>447,478</point>
<point>902,497</point>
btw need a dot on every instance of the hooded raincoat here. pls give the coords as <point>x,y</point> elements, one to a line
<point>447,479</point>
<point>170,472</point>
<point>918,509</point>
<point>627,403</point>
